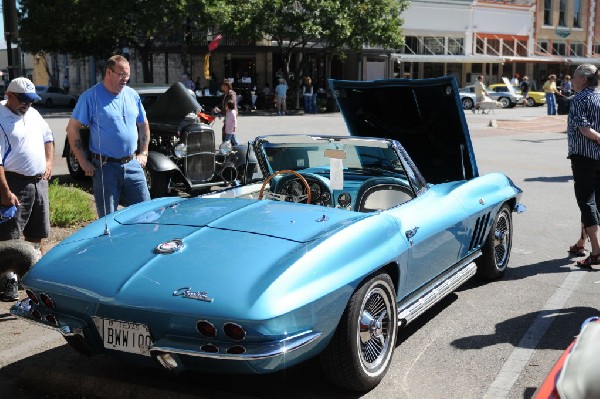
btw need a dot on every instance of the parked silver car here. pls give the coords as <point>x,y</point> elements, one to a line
<point>505,96</point>
<point>54,96</point>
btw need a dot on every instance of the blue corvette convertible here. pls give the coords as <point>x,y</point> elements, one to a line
<point>333,245</point>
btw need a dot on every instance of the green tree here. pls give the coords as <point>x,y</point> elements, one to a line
<point>102,28</point>
<point>330,26</point>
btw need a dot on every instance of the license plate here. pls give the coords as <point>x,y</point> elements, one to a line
<point>124,336</point>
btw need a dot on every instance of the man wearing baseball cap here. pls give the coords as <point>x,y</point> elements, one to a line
<point>26,160</point>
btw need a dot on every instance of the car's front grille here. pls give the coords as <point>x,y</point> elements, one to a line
<point>200,161</point>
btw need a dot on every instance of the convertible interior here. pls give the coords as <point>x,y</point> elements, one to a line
<point>357,174</point>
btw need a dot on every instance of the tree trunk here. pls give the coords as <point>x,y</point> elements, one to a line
<point>146,69</point>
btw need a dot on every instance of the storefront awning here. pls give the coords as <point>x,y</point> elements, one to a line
<point>474,59</point>
<point>480,59</point>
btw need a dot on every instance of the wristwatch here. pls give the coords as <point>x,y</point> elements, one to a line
<point>145,153</point>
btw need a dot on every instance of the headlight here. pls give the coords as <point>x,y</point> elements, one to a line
<point>180,150</point>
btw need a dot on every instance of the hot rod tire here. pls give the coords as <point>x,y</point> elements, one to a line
<point>496,249</point>
<point>361,348</point>
<point>158,183</point>
<point>75,170</point>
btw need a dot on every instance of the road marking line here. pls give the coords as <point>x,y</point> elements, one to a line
<point>520,356</point>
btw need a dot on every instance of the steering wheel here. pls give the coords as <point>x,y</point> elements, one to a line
<point>283,197</point>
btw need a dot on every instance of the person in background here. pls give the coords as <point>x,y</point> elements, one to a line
<point>313,101</point>
<point>281,97</point>
<point>307,92</point>
<point>230,122</point>
<point>583,137</point>
<point>266,90</point>
<point>480,93</point>
<point>228,95</point>
<point>550,90</point>
<point>524,86</point>
<point>119,139</point>
<point>66,85</point>
<point>515,80</point>
<point>26,161</point>
<point>566,86</point>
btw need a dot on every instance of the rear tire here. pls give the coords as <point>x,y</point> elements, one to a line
<point>361,349</point>
<point>496,249</point>
<point>530,102</point>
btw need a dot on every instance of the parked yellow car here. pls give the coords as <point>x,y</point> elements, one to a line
<point>534,98</point>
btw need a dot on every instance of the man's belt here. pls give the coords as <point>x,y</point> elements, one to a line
<point>104,158</point>
<point>16,175</point>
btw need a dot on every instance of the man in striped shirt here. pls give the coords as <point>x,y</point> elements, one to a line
<point>584,153</point>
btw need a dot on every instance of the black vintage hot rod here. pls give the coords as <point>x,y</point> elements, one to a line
<point>182,153</point>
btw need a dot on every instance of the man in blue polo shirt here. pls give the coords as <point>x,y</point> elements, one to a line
<point>119,138</point>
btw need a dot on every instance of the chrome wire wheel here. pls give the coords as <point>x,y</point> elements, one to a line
<point>361,349</point>
<point>502,238</point>
<point>495,251</point>
<point>374,329</point>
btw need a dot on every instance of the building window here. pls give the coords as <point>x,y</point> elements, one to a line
<point>547,12</point>
<point>576,49</point>
<point>522,48</point>
<point>543,47</point>
<point>456,46</point>
<point>596,49</point>
<point>434,45</point>
<point>559,49</point>
<point>562,12</point>
<point>433,69</point>
<point>479,46</point>
<point>577,14</point>
<point>411,45</point>
<point>492,47</point>
<point>508,47</point>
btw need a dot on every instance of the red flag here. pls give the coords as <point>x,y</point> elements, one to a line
<point>215,43</point>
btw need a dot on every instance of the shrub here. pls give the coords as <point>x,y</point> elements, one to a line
<point>69,205</point>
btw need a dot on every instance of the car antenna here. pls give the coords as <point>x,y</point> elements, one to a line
<point>106,230</point>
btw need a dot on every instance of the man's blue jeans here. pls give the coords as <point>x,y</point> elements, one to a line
<point>116,183</point>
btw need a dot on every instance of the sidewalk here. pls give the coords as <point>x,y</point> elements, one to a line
<point>547,124</point>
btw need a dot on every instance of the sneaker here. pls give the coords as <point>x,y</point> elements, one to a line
<point>473,109</point>
<point>11,290</point>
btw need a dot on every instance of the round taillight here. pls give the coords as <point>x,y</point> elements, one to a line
<point>234,331</point>
<point>36,314</point>
<point>206,328</point>
<point>236,350</point>
<point>52,319</point>
<point>209,348</point>
<point>47,301</point>
<point>31,295</point>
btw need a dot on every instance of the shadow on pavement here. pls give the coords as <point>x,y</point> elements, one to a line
<point>64,373</point>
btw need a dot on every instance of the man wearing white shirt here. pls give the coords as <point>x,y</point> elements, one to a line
<point>26,160</point>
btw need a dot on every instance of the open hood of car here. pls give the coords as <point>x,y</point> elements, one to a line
<point>173,105</point>
<point>424,115</point>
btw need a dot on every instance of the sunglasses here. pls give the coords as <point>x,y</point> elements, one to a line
<point>22,99</point>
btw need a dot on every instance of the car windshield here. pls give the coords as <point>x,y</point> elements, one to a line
<point>372,157</point>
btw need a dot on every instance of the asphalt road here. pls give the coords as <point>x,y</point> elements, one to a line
<point>495,340</point>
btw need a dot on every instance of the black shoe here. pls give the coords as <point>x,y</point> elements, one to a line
<point>11,290</point>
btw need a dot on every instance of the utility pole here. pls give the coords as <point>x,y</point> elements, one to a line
<point>11,33</point>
